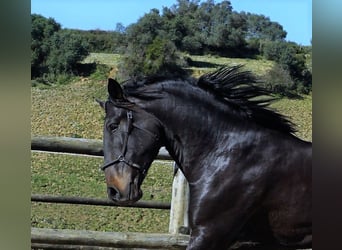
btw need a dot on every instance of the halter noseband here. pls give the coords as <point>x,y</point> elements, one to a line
<point>121,157</point>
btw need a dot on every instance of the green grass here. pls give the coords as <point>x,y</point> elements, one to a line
<point>69,175</point>
<point>299,112</point>
<point>258,67</point>
<point>209,63</point>
<point>103,58</point>
<point>70,110</point>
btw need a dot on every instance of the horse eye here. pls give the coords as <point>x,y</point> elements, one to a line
<point>113,127</point>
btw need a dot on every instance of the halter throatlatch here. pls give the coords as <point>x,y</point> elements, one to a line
<point>121,157</point>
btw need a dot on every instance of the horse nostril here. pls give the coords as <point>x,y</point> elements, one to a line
<point>113,193</point>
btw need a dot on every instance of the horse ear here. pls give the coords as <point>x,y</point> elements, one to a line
<point>114,89</point>
<point>102,103</point>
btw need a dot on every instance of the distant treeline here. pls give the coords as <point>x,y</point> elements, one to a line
<point>153,44</point>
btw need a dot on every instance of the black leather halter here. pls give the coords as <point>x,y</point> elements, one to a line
<point>121,157</point>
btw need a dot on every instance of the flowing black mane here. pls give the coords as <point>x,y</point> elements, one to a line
<point>229,85</point>
<point>238,88</point>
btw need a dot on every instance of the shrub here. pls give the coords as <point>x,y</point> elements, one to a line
<point>291,57</point>
<point>157,58</point>
<point>55,53</point>
<point>101,72</point>
<point>41,32</point>
<point>279,81</point>
<point>67,49</point>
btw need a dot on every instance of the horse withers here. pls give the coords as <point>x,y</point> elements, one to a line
<point>249,176</point>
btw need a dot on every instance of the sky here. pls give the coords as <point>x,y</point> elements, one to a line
<point>294,15</point>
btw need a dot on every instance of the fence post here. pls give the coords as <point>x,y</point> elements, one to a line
<point>179,222</point>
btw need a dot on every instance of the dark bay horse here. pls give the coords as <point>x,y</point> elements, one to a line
<point>250,177</point>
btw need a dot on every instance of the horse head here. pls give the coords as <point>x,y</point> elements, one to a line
<point>132,138</point>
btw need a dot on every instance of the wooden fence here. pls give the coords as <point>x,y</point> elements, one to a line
<point>42,238</point>
<point>73,239</point>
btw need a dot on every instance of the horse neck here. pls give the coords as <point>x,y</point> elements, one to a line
<point>194,123</point>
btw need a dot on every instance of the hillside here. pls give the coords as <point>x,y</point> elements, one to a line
<point>202,64</point>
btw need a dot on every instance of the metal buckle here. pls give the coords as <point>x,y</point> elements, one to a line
<point>121,158</point>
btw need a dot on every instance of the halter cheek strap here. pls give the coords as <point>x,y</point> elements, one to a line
<point>121,157</point>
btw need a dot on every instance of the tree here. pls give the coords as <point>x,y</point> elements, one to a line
<point>205,27</point>
<point>278,80</point>
<point>149,50</point>
<point>41,32</point>
<point>104,41</point>
<point>291,57</point>
<point>67,49</point>
<point>226,33</point>
<point>146,29</point>
<point>54,51</point>
<point>162,58</point>
<point>262,28</point>
<point>158,58</point>
<point>120,28</point>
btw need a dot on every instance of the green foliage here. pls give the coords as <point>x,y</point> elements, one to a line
<point>159,57</point>
<point>202,27</point>
<point>41,32</point>
<point>104,41</point>
<point>67,49</point>
<point>291,57</point>
<point>206,27</point>
<point>261,28</point>
<point>278,80</point>
<point>132,62</point>
<point>54,52</point>
<point>194,27</point>
<point>101,72</point>
<point>66,175</point>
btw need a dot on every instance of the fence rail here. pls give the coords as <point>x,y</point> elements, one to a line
<point>96,201</point>
<point>93,239</point>
<point>77,146</point>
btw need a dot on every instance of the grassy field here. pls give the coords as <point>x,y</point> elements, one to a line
<point>70,110</point>
<point>103,58</point>
<point>203,64</point>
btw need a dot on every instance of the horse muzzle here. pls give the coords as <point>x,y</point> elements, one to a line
<point>127,196</point>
